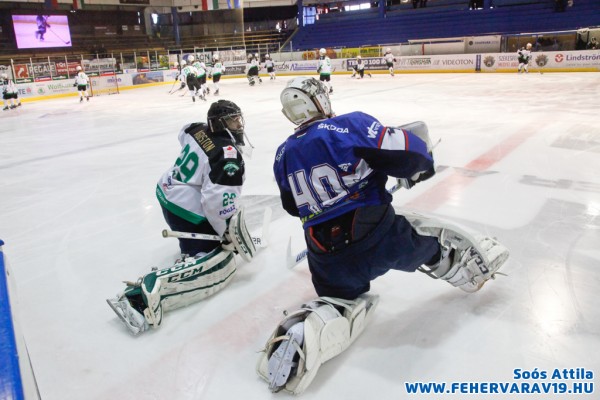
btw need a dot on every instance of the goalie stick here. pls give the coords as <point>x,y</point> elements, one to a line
<point>259,241</point>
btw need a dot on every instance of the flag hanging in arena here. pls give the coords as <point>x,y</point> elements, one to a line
<point>78,4</point>
<point>51,3</point>
<point>210,5</point>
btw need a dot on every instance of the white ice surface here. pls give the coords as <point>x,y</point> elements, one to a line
<point>519,159</point>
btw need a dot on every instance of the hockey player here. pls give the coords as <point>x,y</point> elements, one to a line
<point>200,76</point>
<point>81,83</point>
<point>270,66</point>
<point>359,68</point>
<point>524,55</point>
<point>389,60</point>
<point>353,233</point>
<point>253,67</point>
<point>199,194</point>
<point>217,70</point>
<point>187,76</point>
<point>10,93</point>
<point>324,69</point>
<point>42,24</point>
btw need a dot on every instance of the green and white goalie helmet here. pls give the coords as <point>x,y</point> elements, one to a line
<point>305,99</point>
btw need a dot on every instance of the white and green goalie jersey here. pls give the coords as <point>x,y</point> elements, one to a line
<point>206,181</point>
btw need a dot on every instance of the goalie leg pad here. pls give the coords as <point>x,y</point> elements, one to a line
<point>240,237</point>
<point>141,304</point>
<point>468,260</point>
<point>329,326</point>
<point>194,279</point>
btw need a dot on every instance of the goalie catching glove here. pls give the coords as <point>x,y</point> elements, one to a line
<point>419,129</point>
<point>310,336</point>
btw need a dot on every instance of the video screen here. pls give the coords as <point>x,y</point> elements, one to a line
<point>41,31</point>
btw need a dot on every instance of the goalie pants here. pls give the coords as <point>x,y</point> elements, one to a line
<point>379,240</point>
<point>191,246</point>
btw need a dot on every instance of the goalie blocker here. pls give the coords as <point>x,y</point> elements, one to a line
<point>141,304</point>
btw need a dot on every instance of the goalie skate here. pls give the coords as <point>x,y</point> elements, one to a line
<point>133,319</point>
<point>282,360</point>
<point>310,336</point>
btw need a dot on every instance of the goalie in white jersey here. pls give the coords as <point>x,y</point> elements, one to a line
<point>199,194</point>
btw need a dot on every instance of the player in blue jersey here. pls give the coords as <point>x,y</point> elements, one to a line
<point>332,174</point>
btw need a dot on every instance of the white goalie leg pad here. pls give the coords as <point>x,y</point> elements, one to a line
<point>475,259</point>
<point>193,279</point>
<point>239,236</point>
<point>310,336</point>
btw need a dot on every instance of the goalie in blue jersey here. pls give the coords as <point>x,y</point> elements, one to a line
<point>332,174</point>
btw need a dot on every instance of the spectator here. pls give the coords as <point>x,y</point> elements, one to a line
<point>593,44</point>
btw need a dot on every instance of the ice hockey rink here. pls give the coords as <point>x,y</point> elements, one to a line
<point>519,159</point>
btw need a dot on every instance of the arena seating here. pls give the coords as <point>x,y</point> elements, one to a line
<point>442,19</point>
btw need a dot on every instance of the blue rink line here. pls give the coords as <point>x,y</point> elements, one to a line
<point>11,386</point>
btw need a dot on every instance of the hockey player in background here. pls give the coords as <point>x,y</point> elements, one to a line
<point>253,67</point>
<point>270,66</point>
<point>187,76</point>
<point>81,83</point>
<point>524,55</point>
<point>359,68</point>
<point>389,60</point>
<point>331,173</point>
<point>200,193</point>
<point>42,25</point>
<point>200,76</point>
<point>10,93</point>
<point>324,69</point>
<point>217,70</point>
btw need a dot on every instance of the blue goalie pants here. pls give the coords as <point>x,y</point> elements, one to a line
<point>389,242</point>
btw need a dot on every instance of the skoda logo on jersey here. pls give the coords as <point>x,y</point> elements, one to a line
<point>373,130</point>
<point>333,128</point>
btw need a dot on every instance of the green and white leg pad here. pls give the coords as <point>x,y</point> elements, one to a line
<point>309,337</point>
<point>187,282</point>
<point>468,260</point>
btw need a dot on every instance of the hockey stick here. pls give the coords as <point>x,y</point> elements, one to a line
<point>171,90</point>
<point>61,39</point>
<point>259,241</point>
<point>177,90</point>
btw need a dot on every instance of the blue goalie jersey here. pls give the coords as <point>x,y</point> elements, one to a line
<point>339,164</point>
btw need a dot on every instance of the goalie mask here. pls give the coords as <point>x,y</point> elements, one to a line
<point>226,116</point>
<point>305,99</point>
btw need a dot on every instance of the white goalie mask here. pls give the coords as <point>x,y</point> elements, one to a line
<point>305,99</point>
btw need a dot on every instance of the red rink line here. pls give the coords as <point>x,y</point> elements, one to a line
<point>450,189</point>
